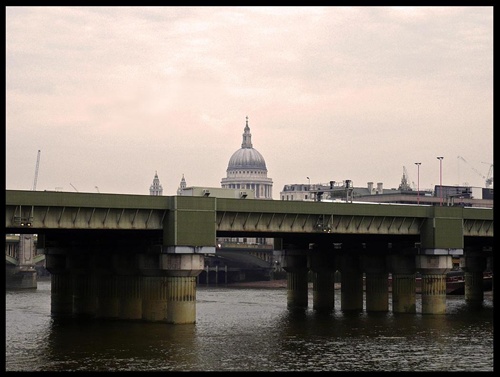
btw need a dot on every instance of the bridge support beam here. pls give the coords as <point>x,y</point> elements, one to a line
<point>473,273</point>
<point>376,283</point>
<point>403,283</point>
<point>295,265</point>
<point>433,268</point>
<point>351,286</point>
<point>322,264</point>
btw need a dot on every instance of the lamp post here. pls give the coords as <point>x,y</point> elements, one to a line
<point>418,182</point>
<point>309,187</point>
<point>441,178</point>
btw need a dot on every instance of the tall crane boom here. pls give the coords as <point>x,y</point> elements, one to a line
<point>36,170</point>
<point>489,176</point>
<point>472,167</point>
<point>405,185</point>
<point>488,179</point>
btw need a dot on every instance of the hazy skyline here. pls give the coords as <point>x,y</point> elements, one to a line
<point>111,95</point>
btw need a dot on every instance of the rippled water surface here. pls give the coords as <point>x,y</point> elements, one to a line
<point>243,329</point>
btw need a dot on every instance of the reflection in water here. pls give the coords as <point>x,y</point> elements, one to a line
<point>115,345</point>
<point>250,329</point>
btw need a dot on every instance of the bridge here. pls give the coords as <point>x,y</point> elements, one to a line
<point>144,252</point>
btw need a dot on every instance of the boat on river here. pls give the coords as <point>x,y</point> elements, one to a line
<point>455,282</point>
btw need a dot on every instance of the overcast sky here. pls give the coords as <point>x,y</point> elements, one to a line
<point>112,94</point>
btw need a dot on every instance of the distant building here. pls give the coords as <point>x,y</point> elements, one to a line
<point>333,190</point>
<point>346,191</point>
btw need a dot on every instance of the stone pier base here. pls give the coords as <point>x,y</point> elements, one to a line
<point>181,299</point>
<point>433,294</point>
<point>61,295</point>
<point>403,293</point>
<point>351,287</point>
<point>20,277</point>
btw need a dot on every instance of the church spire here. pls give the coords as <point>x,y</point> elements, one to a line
<point>182,185</point>
<point>247,137</point>
<point>156,189</point>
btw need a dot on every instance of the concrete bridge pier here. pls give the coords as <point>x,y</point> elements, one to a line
<point>84,295</point>
<point>181,270</point>
<point>322,264</point>
<point>473,273</point>
<point>61,295</point>
<point>20,277</point>
<point>154,298</point>
<point>351,286</point>
<point>376,282</point>
<point>130,296</point>
<point>181,299</point>
<point>489,267</point>
<point>61,292</point>
<point>154,288</point>
<point>108,301</point>
<point>80,266</point>
<point>126,267</point>
<point>23,275</point>
<point>403,283</point>
<point>295,265</point>
<point>433,268</point>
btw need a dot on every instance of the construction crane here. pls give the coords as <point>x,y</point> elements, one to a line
<point>405,186</point>
<point>489,179</point>
<point>97,188</point>
<point>489,176</point>
<point>36,170</point>
<point>73,187</point>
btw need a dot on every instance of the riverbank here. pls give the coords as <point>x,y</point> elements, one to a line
<point>271,284</point>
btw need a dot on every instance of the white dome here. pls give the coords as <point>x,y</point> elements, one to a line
<point>246,158</point>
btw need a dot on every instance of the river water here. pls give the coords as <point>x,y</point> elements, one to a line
<point>249,329</point>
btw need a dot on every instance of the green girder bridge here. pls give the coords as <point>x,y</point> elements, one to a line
<point>165,236</point>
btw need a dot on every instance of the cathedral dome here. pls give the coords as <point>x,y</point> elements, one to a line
<point>247,170</point>
<point>246,157</point>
